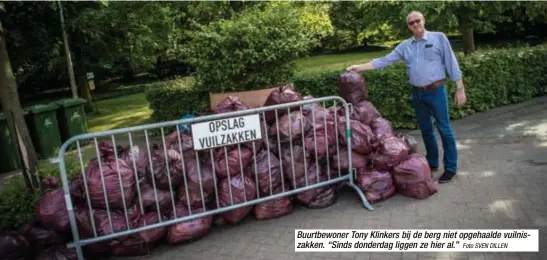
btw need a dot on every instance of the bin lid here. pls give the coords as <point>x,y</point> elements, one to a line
<point>36,109</point>
<point>70,102</point>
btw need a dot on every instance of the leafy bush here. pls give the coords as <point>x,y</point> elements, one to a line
<point>492,77</point>
<point>251,51</point>
<point>16,203</point>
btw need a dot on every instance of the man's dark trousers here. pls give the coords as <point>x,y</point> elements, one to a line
<point>434,103</point>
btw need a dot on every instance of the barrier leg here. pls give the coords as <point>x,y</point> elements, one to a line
<point>79,251</point>
<point>359,191</point>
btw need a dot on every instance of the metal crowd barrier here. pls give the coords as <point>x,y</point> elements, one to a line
<point>347,177</point>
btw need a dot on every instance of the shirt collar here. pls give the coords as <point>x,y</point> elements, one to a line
<point>424,37</point>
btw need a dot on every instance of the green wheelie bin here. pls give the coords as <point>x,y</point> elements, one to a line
<point>44,129</point>
<point>71,116</point>
<point>11,160</point>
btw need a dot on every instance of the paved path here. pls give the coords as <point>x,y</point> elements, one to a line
<point>503,161</point>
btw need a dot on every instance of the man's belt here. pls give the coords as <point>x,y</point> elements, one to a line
<point>433,85</point>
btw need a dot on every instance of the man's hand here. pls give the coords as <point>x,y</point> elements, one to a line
<point>361,67</point>
<point>354,68</point>
<point>460,97</point>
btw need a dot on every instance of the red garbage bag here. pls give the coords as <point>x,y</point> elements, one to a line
<point>133,246</point>
<point>284,94</point>
<point>341,161</point>
<point>119,222</point>
<point>320,144</point>
<point>58,252</point>
<point>325,129</point>
<point>376,185</point>
<point>410,142</point>
<point>137,159</point>
<point>320,118</point>
<point>273,209</point>
<point>391,151</point>
<point>273,145</point>
<point>166,171</point>
<point>364,112</point>
<point>352,87</point>
<point>85,228</point>
<point>155,235</point>
<point>77,188</point>
<point>148,196</point>
<point>413,177</point>
<point>277,143</point>
<point>196,171</point>
<point>142,242</point>
<point>108,152</point>
<point>232,162</point>
<point>315,174</point>
<point>318,197</point>
<point>230,104</point>
<point>381,128</point>
<point>114,192</point>
<point>102,226</point>
<point>243,189</point>
<point>51,183</point>
<point>179,140</point>
<point>268,172</point>
<point>291,126</point>
<point>362,138</point>
<point>188,230</point>
<point>295,162</point>
<point>51,211</point>
<point>13,245</point>
<point>41,237</point>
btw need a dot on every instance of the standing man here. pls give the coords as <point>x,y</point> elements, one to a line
<point>427,56</point>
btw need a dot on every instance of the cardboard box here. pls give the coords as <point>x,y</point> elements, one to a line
<point>253,99</point>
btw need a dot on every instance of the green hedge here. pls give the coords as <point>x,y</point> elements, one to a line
<point>170,100</point>
<point>492,77</point>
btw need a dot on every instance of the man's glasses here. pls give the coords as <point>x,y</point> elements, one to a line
<point>417,21</point>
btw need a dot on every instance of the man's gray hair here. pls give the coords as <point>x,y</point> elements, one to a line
<point>415,12</point>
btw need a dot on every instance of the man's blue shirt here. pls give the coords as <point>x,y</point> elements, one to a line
<point>426,60</point>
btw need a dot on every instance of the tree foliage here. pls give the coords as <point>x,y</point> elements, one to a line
<point>113,38</point>
<point>254,49</point>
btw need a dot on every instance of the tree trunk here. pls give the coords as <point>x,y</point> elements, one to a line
<point>68,57</point>
<point>83,86</point>
<point>466,28</point>
<point>15,117</point>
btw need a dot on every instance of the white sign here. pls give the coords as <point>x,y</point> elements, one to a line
<point>416,240</point>
<point>227,131</point>
<point>90,75</point>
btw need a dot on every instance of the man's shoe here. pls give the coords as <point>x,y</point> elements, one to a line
<point>434,169</point>
<point>446,177</point>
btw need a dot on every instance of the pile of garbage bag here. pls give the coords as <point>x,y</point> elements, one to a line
<point>132,187</point>
<point>386,162</point>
